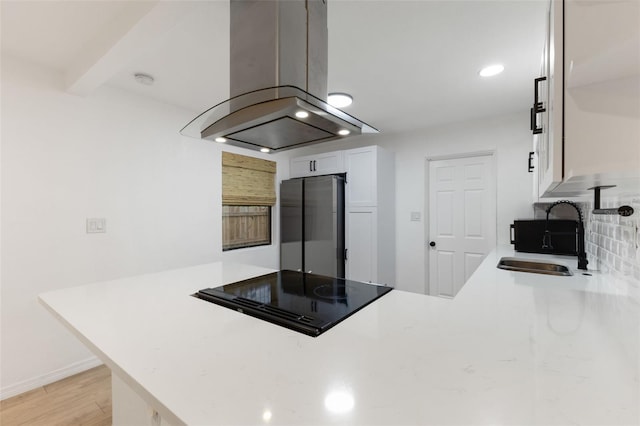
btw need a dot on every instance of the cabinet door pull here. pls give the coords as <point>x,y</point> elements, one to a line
<point>314,166</point>
<point>531,166</point>
<point>310,165</point>
<point>537,106</point>
<point>532,120</point>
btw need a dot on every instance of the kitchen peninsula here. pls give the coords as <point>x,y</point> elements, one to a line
<point>511,348</point>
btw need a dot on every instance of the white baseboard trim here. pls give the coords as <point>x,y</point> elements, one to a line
<point>45,379</point>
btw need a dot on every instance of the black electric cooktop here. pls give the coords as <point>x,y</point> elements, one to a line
<point>308,303</point>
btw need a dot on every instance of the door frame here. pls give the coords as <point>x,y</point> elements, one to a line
<point>453,156</point>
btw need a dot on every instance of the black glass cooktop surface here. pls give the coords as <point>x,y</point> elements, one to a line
<point>308,303</point>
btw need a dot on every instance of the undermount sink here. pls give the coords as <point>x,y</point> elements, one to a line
<point>526,265</point>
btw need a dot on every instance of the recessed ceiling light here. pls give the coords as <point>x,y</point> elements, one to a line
<point>264,150</point>
<point>145,79</point>
<point>339,100</point>
<point>221,139</point>
<point>491,70</point>
<point>302,114</point>
<point>343,132</point>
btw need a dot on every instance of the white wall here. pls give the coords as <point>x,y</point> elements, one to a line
<point>507,135</point>
<point>112,155</point>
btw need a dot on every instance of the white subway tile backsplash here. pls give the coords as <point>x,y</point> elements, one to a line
<point>617,235</point>
<point>612,242</point>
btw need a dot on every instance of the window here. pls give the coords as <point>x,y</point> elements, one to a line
<point>248,192</point>
<point>245,226</point>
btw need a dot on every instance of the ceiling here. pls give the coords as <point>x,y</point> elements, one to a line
<point>408,64</point>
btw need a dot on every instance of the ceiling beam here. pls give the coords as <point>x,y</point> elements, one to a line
<point>140,29</point>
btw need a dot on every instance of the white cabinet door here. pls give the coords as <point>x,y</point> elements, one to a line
<point>319,164</point>
<point>602,41</point>
<point>129,408</point>
<point>362,244</point>
<point>361,166</point>
<point>550,142</point>
<point>602,100</point>
<point>300,167</point>
<point>592,124</point>
<point>328,163</point>
<point>533,160</point>
<point>534,155</point>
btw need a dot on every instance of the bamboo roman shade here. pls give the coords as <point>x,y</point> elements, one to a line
<point>247,181</point>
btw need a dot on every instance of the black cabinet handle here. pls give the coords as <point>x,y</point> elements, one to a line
<point>537,106</point>
<point>536,102</point>
<point>432,243</point>
<point>531,161</point>
<point>314,166</point>
<point>310,165</point>
<point>532,120</point>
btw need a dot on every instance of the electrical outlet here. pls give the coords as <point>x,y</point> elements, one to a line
<point>96,225</point>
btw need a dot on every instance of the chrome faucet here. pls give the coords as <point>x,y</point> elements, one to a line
<point>546,239</point>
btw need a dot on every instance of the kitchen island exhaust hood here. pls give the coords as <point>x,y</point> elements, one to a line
<point>278,80</point>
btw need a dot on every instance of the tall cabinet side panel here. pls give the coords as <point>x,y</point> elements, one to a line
<point>386,218</point>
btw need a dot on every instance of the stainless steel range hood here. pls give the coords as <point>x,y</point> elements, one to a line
<point>278,80</point>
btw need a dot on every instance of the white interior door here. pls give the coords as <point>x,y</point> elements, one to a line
<point>462,220</point>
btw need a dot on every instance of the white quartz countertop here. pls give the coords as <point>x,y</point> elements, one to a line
<point>511,348</point>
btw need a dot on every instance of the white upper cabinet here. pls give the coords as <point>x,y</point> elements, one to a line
<point>602,95</point>
<point>591,119</point>
<point>320,164</point>
<point>546,115</point>
<point>361,165</point>
<point>550,174</point>
<point>603,44</point>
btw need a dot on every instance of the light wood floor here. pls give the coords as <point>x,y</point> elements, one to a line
<point>83,399</point>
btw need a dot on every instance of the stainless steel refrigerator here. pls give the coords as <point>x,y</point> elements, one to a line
<point>312,225</point>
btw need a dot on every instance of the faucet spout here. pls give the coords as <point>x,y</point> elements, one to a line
<point>546,240</point>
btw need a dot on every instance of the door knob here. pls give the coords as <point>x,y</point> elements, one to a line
<point>432,243</point>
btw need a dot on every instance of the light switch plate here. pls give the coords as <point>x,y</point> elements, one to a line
<point>96,225</point>
<point>415,216</point>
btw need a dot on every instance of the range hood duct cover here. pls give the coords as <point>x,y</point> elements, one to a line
<point>278,67</point>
